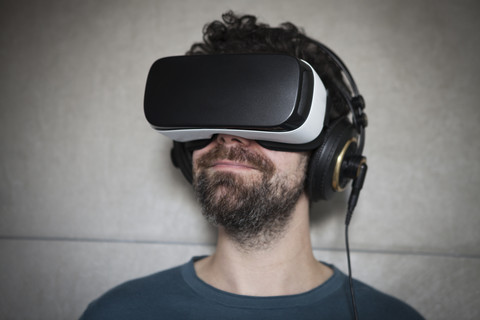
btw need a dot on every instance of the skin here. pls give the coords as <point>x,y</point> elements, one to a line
<point>287,266</point>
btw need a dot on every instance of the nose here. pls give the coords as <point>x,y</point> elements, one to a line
<point>227,139</point>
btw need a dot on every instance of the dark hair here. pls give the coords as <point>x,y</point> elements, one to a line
<point>243,34</point>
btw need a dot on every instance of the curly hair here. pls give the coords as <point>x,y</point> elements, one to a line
<point>243,34</point>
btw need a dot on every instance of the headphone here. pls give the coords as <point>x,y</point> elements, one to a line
<point>339,157</point>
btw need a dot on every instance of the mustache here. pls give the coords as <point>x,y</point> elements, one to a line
<point>237,154</point>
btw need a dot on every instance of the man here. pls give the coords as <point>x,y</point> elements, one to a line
<point>263,266</point>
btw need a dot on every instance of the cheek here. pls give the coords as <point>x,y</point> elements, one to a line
<point>289,161</point>
<point>303,164</point>
<point>197,154</point>
<point>294,169</point>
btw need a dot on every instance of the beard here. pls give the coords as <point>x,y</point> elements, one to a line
<point>253,209</point>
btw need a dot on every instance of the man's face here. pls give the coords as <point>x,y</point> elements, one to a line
<point>246,189</point>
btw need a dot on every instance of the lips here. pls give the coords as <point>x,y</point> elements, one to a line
<point>232,165</point>
<point>235,158</point>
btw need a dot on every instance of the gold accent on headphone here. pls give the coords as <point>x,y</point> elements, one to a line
<point>338,165</point>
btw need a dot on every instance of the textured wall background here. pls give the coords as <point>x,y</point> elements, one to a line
<point>89,198</point>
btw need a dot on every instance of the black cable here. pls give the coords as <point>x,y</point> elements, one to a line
<point>350,280</point>
<point>357,186</point>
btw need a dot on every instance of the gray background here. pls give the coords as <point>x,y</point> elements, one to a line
<point>89,198</point>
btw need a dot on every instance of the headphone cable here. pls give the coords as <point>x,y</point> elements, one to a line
<point>350,280</point>
<point>352,202</point>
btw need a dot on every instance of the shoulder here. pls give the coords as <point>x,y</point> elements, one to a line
<point>374,304</point>
<point>135,297</point>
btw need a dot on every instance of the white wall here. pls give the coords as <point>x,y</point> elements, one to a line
<point>89,198</point>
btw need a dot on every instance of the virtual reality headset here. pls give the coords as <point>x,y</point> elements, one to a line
<point>277,100</point>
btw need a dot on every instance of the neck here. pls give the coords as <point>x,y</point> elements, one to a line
<point>287,266</point>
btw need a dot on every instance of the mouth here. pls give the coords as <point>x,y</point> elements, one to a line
<point>232,165</point>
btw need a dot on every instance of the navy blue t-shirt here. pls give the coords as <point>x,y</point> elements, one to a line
<point>179,294</point>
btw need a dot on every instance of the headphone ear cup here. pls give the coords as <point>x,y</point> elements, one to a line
<point>320,174</point>
<point>182,159</point>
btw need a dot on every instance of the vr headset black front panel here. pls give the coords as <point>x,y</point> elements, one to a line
<point>227,91</point>
<point>267,97</point>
